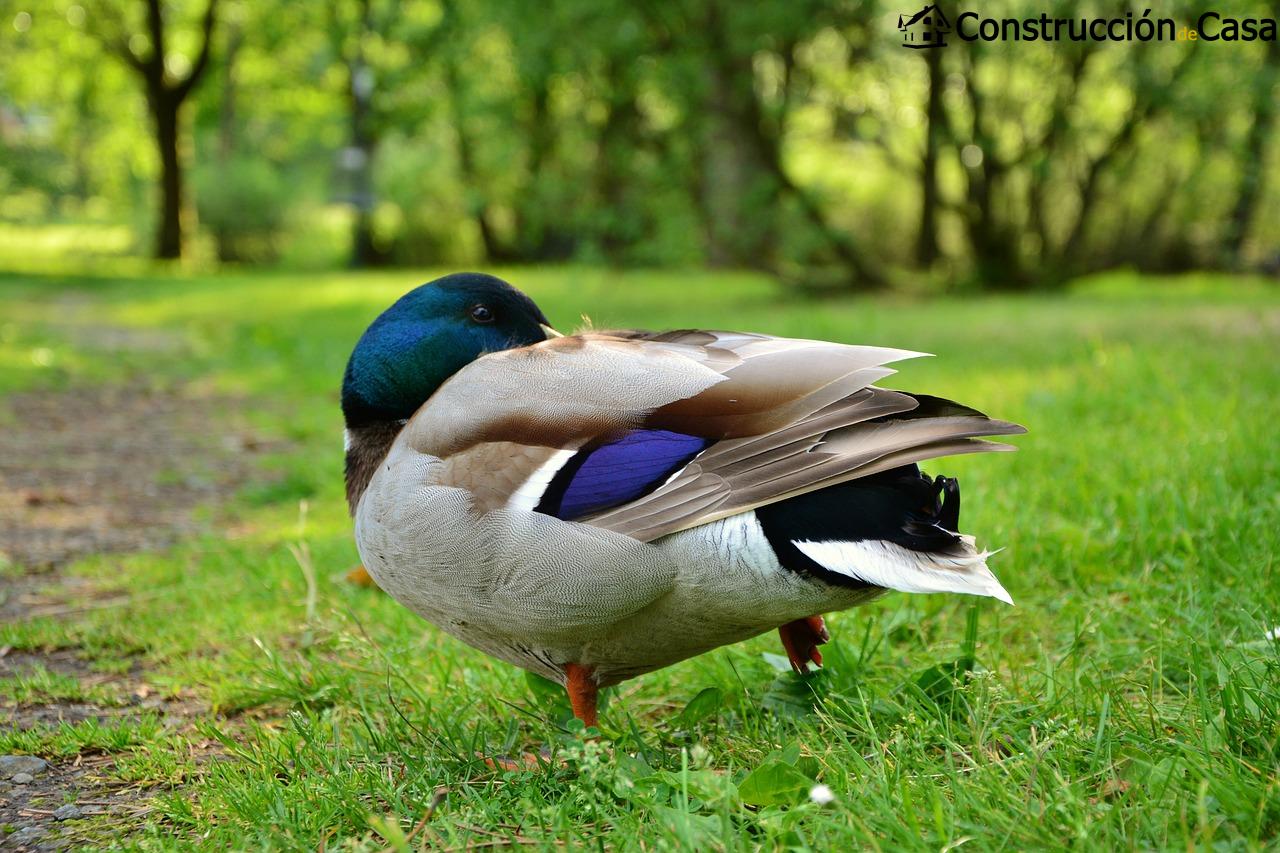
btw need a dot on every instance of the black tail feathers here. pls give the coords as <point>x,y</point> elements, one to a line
<point>948,511</point>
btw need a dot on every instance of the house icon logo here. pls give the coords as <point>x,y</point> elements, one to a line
<point>926,28</point>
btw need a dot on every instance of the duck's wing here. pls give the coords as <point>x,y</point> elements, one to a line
<point>646,435</point>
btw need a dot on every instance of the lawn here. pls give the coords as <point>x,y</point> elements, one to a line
<point>1130,700</point>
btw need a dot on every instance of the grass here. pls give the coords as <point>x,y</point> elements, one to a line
<point>1130,700</point>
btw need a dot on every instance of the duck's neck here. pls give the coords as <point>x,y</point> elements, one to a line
<point>367,446</point>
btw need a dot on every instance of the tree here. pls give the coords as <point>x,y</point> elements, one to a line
<point>166,92</point>
<point>358,157</point>
<point>362,36</point>
<point>742,130</point>
<point>793,137</point>
<point>1253,168</point>
<point>927,251</point>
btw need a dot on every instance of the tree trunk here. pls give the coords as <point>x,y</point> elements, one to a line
<point>992,242</point>
<point>364,252</point>
<point>539,232</point>
<point>164,101</point>
<point>477,205</point>
<point>740,195</point>
<point>745,175</point>
<point>85,133</point>
<point>227,135</point>
<point>927,239</point>
<point>169,228</point>
<point>1253,166</point>
<point>614,148</point>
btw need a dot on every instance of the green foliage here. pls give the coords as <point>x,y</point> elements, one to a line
<point>245,203</point>
<point>707,703</point>
<point>82,738</point>
<point>775,783</point>
<point>801,139</point>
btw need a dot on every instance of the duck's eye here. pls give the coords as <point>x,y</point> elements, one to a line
<point>482,314</point>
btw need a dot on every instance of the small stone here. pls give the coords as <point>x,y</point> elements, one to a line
<point>26,835</point>
<point>22,778</point>
<point>70,811</point>
<point>11,764</point>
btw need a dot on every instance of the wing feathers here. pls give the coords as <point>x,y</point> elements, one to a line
<point>771,392</point>
<point>774,473</point>
<point>785,417</point>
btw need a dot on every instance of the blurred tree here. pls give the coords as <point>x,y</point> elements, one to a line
<point>352,26</point>
<point>387,50</point>
<point>168,81</point>
<point>539,229</point>
<point>935,118</point>
<point>795,138</point>
<point>267,125</point>
<point>1254,164</point>
<point>458,96</point>
<point>223,227</point>
<point>740,114</point>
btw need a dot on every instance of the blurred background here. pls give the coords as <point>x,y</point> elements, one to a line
<point>187,188</point>
<point>793,137</point>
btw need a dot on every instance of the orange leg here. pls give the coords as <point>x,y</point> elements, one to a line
<point>801,639</point>
<point>582,692</point>
<point>360,577</point>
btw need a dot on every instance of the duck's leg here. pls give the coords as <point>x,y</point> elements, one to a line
<point>582,691</point>
<point>801,639</point>
<point>360,576</point>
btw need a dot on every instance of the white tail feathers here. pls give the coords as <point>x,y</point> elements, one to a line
<point>963,569</point>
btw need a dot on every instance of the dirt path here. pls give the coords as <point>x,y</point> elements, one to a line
<point>92,471</point>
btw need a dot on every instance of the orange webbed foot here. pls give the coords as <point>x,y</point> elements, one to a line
<point>801,639</point>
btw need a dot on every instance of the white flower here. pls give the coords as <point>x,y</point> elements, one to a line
<point>1273,634</point>
<point>821,795</point>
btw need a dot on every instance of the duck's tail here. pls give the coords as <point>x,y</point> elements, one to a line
<point>961,568</point>
<point>897,530</point>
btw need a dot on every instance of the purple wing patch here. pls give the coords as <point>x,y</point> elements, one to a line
<point>597,478</point>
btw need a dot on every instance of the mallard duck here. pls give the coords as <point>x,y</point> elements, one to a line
<point>595,506</point>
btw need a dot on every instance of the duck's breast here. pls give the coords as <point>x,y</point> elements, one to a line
<point>520,585</point>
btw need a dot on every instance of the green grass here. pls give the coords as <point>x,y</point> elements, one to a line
<point>1130,700</point>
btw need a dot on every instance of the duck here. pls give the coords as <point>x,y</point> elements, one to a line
<point>595,506</point>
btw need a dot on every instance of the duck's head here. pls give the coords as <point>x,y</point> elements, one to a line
<point>428,335</point>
